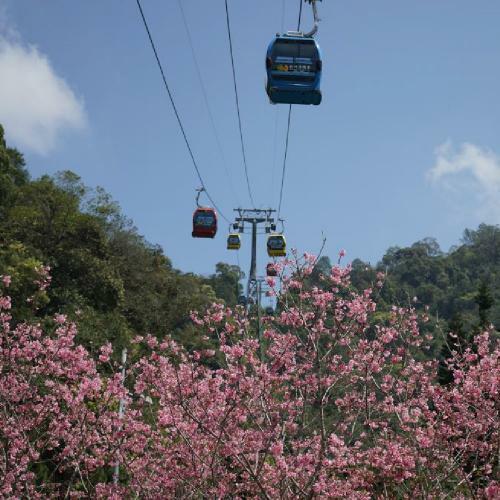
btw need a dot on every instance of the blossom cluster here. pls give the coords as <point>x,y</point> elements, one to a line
<point>331,404</point>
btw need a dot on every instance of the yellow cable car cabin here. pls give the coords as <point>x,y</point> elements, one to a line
<point>233,241</point>
<point>276,245</point>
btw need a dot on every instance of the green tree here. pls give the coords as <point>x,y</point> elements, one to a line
<point>456,340</point>
<point>226,283</point>
<point>13,174</point>
<point>484,300</point>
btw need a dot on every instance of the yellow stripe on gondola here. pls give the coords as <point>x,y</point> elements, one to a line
<point>276,245</point>
<point>233,241</point>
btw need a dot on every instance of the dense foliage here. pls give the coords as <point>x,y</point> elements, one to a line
<point>371,381</point>
<point>104,274</point>
<point>459,290</point>
<point>336,405</point>
<point>116,284</point>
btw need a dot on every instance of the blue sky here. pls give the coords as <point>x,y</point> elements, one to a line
<point>405,144</point>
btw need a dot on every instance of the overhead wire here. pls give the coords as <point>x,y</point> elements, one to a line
<point>205,96</point>
<point>276,115</point>
<point>287,131</point>
<point>300,15</point>
<point>239,277</point>
<point>284,159</point>
<point>243,152</point>
<point>273,171</point>
<point>179,121</point>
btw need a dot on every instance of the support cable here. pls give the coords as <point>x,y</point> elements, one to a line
<point>300,15</point>
<point>179,121</point>
<point>276,115</point>
<point>238,258</point>
<point>285,158</point>
<point>273,171</point>
<point>288,130</point>
<point>238,104</point>
<point>205,96</point>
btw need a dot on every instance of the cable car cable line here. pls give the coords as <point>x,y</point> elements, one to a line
<point>228,23</point>
<point>273,171</point>
<point>276,119</point>
<point>276,116</point>
<point>179,121</point>
<point>285,158</point>
<point>288,130</point>
<point>205,96</point>
<point>300,15</point>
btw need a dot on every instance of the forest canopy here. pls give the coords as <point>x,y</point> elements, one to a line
<point>367,381</point>
<point>104,274</point>
<point>116,284</point>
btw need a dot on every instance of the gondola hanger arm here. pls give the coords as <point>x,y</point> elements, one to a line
<point>199,191</point>
<point>316,18</point>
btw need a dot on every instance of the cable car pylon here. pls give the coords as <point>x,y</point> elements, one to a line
<point>276,246</point>
<point>255,217</point>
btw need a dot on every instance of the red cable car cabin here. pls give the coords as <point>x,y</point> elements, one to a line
<point>204,222</point>
<point>271,270</point>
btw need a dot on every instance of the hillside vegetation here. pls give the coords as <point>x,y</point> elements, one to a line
<point>367,382</point>
<point>106,276</point>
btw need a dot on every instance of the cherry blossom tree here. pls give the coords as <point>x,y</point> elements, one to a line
<point>335,404</point>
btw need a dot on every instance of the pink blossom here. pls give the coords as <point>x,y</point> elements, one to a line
<point>60,318</point>
<point>276,449</point>
<point>492,491</point>
<point>271,282</point>
<point>106,351</point>
<point>323,409</point>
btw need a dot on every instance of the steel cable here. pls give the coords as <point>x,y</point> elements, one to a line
<point>287,131</point>
<point>205,97</point>
<point>228,23</point>
<point>179,121</point>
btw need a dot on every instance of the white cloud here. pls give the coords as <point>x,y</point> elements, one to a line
<point>471,175</point>
<point>36,105</point>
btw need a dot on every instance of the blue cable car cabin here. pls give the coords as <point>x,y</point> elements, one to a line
<point>204,223</point>
<point>294,67</point>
